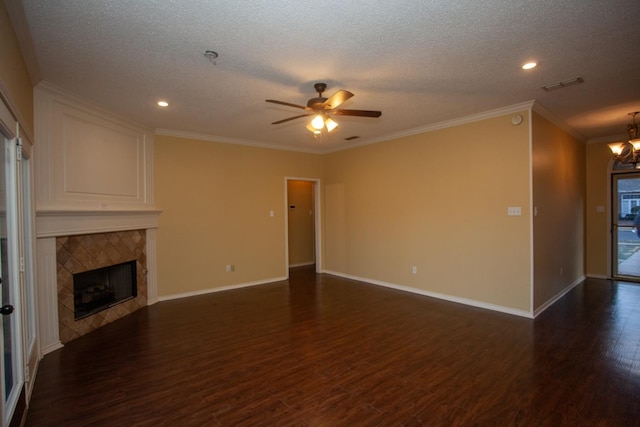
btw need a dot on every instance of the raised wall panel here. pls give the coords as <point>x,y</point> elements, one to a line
<point>99,160</point>
<point>48,332</point>
<point>152,270</point>
<point>87,158</point>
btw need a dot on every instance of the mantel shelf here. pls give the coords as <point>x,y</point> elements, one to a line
<point>53,223</point>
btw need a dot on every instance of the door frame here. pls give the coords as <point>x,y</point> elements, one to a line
<point>27,251</point>
<point>612,259</point>
<point>10,402</point>
<point>317,223</point>
<point>21,229</point>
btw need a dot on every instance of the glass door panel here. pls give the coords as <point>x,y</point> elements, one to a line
<point>11,337</point>
<point>626,226</point>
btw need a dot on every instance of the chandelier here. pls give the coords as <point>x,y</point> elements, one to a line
<point>628,152</point>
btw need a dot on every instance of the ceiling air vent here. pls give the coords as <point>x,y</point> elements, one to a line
<point>351,138</point>
<point>566,83</point>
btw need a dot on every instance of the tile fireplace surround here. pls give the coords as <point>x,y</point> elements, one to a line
<point>77,254</point>
<point>70,242</point>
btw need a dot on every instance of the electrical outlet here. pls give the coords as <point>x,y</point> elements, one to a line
<point>414,270</point>
<point>514,211</point>
<point>230,268</point>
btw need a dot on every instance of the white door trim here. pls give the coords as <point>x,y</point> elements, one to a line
<point>317,222</point>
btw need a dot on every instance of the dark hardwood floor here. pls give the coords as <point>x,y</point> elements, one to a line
<point>323,351</point>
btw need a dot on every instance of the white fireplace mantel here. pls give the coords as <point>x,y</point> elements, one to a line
<point>56,223</point>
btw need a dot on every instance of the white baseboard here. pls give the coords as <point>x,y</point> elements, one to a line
<point>304,264</point>
<point>50,348</point>
<point>220,289</point>
<point>559,295</point>
<point>445,297</point>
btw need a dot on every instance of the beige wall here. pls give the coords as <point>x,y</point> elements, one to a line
<point>598,167</point>
<point>300,222</point>
<point>559,198</point>
<point>14,75</point>
<point>216,199</point>
<point>437,201</point>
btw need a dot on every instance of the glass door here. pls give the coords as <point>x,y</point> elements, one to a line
<point>625,228</point>
<point>10,341</point>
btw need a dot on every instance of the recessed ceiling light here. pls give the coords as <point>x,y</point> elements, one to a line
<point>529,65</point>
<point>163,103</point>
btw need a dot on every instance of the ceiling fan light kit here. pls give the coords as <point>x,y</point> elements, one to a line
<point>330,124</point>
<point>317,122</point>
<point>321,108</point>
<point>314,130</point>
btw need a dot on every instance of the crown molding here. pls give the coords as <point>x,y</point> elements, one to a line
<point>445,124</point>
<point>226,140</point>
<point>410,132</point>
<point>15,10</point>
<point>558,122</point>
<point>523,106</point>
<point>64,96</point>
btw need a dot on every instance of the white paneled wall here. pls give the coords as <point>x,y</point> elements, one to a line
<point>88,159</point>
<point>47,294</point>
<point>93,174</point>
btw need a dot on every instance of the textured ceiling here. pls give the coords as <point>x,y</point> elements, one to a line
<point>419,62</point>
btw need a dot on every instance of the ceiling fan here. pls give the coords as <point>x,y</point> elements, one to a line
<point>322,108</point>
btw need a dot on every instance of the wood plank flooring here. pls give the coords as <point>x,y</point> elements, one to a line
<point>319,350</point>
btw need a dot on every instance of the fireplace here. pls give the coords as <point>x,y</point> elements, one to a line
<point>108,263</point>
<point>71,242</point>
<point>99,289</point>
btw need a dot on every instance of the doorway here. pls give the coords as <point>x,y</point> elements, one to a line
<point>302,223</point>
<point>625,226</point>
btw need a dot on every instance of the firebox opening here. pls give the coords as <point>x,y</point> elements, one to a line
<point>99,289</point>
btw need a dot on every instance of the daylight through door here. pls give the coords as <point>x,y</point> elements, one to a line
<point>626,226</point>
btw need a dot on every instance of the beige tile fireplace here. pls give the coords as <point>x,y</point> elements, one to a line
<point>69,242</point>
<point>81,253</point>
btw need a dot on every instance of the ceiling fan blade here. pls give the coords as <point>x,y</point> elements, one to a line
<point>360,113</point>
<point>273,101</point>
<point>336,99</point>
<point>290,118</point>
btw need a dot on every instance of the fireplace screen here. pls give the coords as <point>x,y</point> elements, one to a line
<point>96,290</point>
